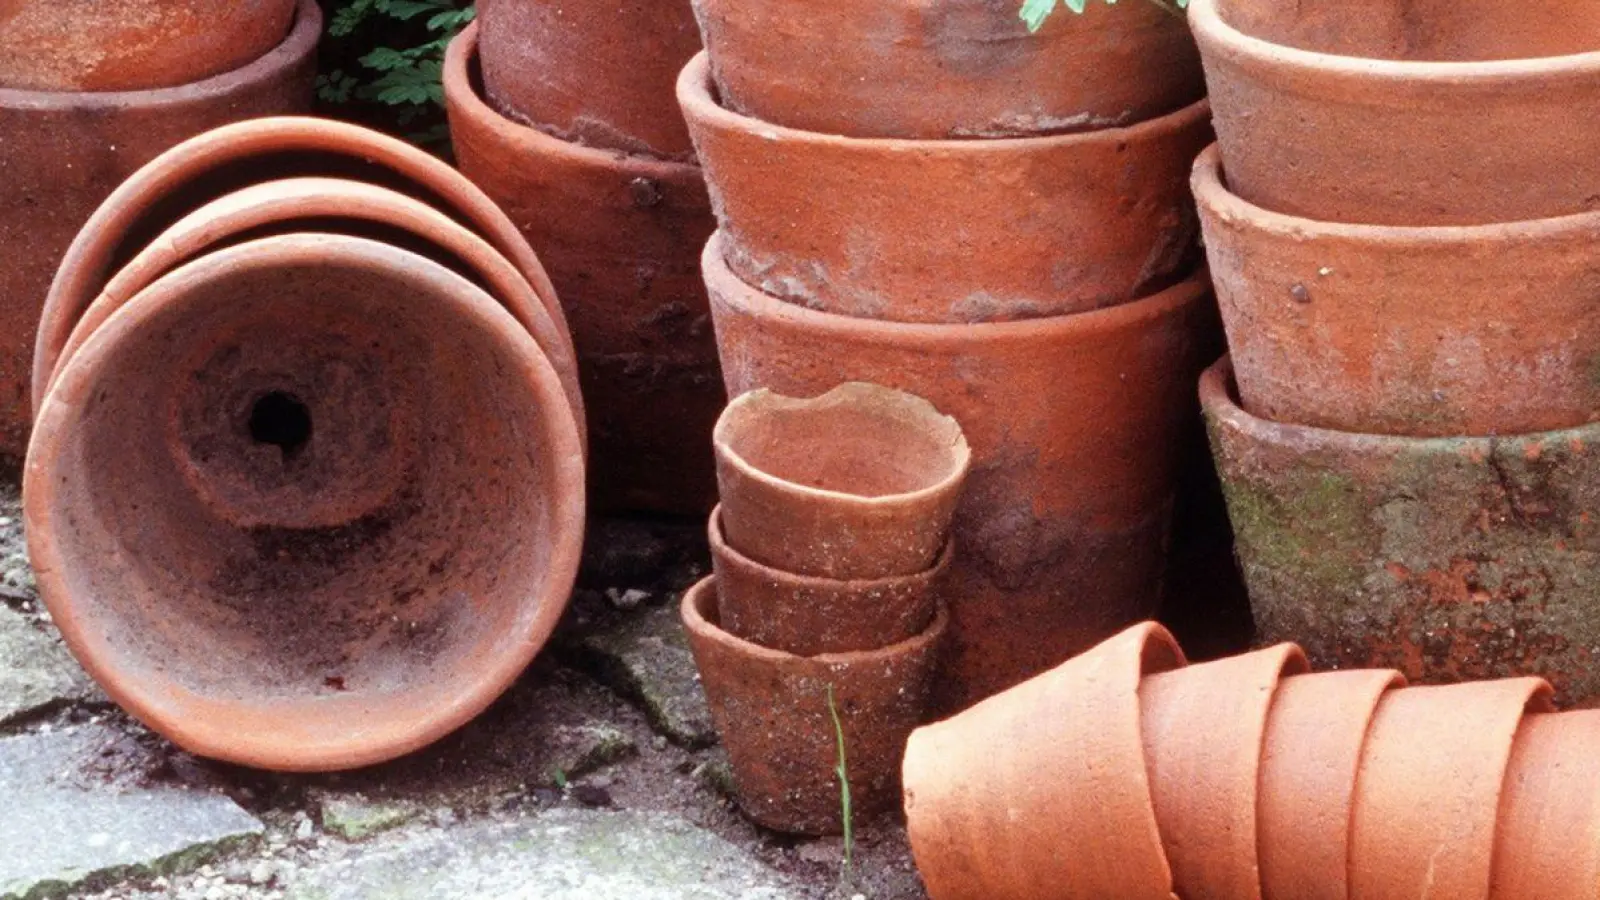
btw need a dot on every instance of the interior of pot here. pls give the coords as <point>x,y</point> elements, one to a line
<point>1422,30</point>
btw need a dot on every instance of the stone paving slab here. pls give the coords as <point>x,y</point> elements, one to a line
<point>36,671</point>
<point>643,654</point>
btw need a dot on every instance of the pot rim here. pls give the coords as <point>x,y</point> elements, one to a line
<point>719,544</point>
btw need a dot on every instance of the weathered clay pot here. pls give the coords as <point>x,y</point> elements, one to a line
<point>1445,558</point>
<point>861,482</point>
<point>1547,844</point>
<point>1399,113</point>
<point>595,73</point>
<point>1413,331</point>
<point>772,711</point>
<point>1062,529</point>
<point>308,502</point>
<point>133,45</point>
<point>62,153</point>
<point>947,69</point>
<point>994,795</point>
<point>870,228</point>
<point>621,236</point>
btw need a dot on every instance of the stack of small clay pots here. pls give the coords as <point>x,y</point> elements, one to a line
<point>1126,775</point>
<point>818,637</point>
<point>1403,222</point>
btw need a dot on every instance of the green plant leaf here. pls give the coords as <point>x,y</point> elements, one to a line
<point>1034,12</point>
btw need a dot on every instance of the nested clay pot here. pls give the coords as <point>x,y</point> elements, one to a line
<point>861,482</point>
<point>773,714</point>
<point>1548,843</point>
<point>61,154</point>
<point>1446,558</point>
<point>1405,113</point>
<point>1478,330</point>
<point>621,236</point>
<point>870,228</point>
<point>308,502</point>
<point>994,794</point>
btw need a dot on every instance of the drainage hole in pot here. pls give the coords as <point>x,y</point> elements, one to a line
<point>281,419</point>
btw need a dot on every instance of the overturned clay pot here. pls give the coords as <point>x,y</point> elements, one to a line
<point>1548,844</point>
<point>306,503</point>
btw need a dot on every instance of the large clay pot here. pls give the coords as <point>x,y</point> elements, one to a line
<point>595,72</point>
<point>1445,331</point>
<point>1406,113</point>
<point>61,154</point>
<point>996,795</point>
<point>949,68</point>
<point>621,236</point>
<point>1073,421</point>
<point>773,712</point>
<point>870,228</point>
<point>133,45</point>
<point>1445,558</point>
<point>308,502</point>
<point>1549,828</point>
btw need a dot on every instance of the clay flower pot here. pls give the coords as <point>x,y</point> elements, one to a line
<point>61,154</point>
<point>810,616</point>
<point>133,45</point>
<point>309,502</point>
<point>596,73</point>
<point>948,69</point>
<point>993,795</point>
<point>621,236</point>
<point>859,483</point>
<point>1466,114</point>
<point>1441,331</point>
<point>772,711</point>
<point>869,228</point>
<point>1445,558</point>
<point>1550,811</point>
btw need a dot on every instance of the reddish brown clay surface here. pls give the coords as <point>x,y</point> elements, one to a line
<point>621,237</point>
<point>1548,846</point>
<point>861,482</point>
<point>599,74</point>
<point>870,228</point>
<point>772,711</point>
<point>1492,329</point>
<point>1073,421</point>
<point>133,45</point>
<point>997,796</point>
<point>1396,112</point>
<point>309,502</point>
<point>61,154</point>
<point>1428,793</point>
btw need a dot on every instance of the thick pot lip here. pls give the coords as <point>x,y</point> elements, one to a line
<point>721,547</point>
<point>186,718</point>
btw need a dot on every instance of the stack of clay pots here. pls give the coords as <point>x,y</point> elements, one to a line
<point>820,631</point>
<point>305,487</point>
<point>1403,222</point>
<point>928,197</point>
<point>563,112</point>
<point>1125,775</point>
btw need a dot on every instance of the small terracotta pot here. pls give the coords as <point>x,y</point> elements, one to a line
<point>772,711</point>
<point>869,228</point>
<point>1429,789</point>
<point>598,74</point>
<point>859,483</point>
<point>133,45</point>
<point>1447,114</point>
<point>1547,845</point>
<point>308,502</point>
<point>621,236</point>
<point>1411,331</point>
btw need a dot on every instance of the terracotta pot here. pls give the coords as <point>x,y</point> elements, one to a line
<point>1446,558</point>
<point>308,502</point>
<point>1550,811</point>
<point>621,236</point>
<point>868,228</point>
<point>133,45</point>
<point>1396,113</point>
<point>859,483</point>
<point>948,69</point>
<point>1412,331</point>
<point>772,711</point>
<point>1073,422</point>
<point>599,74</point>
<point>62,153</point>
<point>1429,788</point>
<point>993,795</point>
